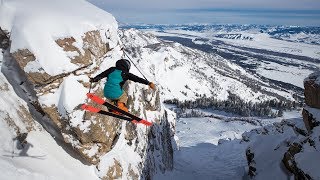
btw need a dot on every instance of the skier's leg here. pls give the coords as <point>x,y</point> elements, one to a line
<point>122,101</point>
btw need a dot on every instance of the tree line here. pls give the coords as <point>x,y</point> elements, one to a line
<point>234,104</point>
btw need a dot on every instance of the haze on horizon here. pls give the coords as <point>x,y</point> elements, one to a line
<point>274,12</point>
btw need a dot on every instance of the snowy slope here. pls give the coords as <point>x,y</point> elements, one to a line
<point>34,25</point>
<point>45,158</point>
<point>212,148</point>
<point>276,53</point>
<point>186,74</point>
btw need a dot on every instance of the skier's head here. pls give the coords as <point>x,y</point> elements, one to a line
<point>123,64</point>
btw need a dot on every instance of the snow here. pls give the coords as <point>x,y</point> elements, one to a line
<point>211,148</point>
<point>45,158</point>
<point>275,66</point>
<point>173,68</point>
<point>314,111</point>
<point>70,94</point>
<point>269,43</point>
<point>309,161</point>
<point>259,40</point>
<point>290,74</point>
<point>121,152</point>
<point>30,30</point>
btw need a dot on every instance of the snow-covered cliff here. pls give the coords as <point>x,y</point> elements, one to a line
<point>290,148</point>
<point>55,46</point>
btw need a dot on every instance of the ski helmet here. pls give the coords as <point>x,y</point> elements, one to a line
<point>123,64</point>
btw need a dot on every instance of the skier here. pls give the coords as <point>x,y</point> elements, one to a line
<point>116,78</point>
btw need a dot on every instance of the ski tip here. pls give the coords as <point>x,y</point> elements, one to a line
<point>147,123</point>
<point>90,95</point>
<point>84,107</point>
<point>95,98</point>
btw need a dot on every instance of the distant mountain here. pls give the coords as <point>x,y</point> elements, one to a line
<point>310,35</point>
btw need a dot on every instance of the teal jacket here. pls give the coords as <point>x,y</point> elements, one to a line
<point>113,88</point>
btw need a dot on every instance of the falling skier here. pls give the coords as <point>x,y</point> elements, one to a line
<point>116,78</point>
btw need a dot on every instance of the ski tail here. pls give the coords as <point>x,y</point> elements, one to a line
<point>90,108</point>
<point>95,98</point>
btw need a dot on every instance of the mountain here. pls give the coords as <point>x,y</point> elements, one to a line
<point>303,34</point>
<point>51,49</point>
<point>259,49</point>
<point>189,76</point>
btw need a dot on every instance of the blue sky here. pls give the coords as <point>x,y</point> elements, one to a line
<point>279,12</point>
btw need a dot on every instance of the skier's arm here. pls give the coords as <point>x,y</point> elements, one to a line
<point>102,75</point>
<point>135,78</point>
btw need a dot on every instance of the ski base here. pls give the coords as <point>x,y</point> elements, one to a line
<point>124,115</point>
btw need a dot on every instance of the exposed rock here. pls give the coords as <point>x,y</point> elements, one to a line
<point>77,57</point>
<point>28,120</point>
<point>10,122</point>
<point>132,174</point>
<point>114,172</point>
<point>131,133</point>
<point>4,39</point>
<point>23,57</point>
<point>288,159</point>
<point>251,163</point>
<point>312,90</point>
<point>298,148</point>
<point>93,43</point>
<point>309,121</point>
<point>4,87</point>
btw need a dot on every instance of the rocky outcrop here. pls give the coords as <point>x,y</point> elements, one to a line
<point>312,99</point>
<point>94,136</point>
<point>102,130</point>
<point>4,39</point>
<point>312,90</point>
<point>294,144</point>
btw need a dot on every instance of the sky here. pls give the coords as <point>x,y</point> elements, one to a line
<point>278,12</point>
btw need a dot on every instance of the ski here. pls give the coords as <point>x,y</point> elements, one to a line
<point>27,156</point>
<point>100,111</point>
<point>99,100</point>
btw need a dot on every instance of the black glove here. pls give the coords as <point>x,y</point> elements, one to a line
<point>92,80</point>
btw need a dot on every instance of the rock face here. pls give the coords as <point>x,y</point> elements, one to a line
<point>312,90</point>
<point>93,49</point>
<point>312,98</point>
<point>118,149</point>
<point>294,144</point>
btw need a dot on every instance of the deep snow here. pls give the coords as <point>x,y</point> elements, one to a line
<point>213,149</point>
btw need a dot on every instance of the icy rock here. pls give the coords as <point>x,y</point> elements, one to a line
<point>312,90</point>
<point>311,118</point>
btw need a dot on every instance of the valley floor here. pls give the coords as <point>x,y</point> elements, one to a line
<point>212,149</point>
